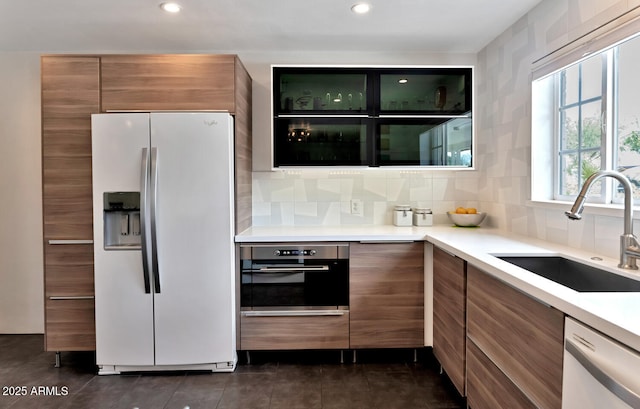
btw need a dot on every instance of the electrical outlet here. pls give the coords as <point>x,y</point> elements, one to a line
<point>356,207</point>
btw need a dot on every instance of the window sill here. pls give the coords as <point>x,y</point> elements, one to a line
<point>597,209</point>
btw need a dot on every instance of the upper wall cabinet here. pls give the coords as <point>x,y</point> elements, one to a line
<point>168,82</point>
<point>358,116</point>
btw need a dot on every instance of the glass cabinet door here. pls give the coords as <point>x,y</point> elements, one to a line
<point>321,141</point>
<point>424,142</point>
<point>372,116</point>
<point>427,91</point>
<point>322,91</point>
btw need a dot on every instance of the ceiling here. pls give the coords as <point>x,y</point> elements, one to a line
<point>449,26</point>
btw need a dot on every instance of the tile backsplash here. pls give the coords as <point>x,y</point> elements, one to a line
<point>323,196</point>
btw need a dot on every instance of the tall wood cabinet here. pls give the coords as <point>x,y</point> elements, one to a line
<point>449,315</point>
<point>74,87</point>
<point>70,93</point>
<point>386,287</point>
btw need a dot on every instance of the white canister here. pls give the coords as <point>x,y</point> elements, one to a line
<point>402,215</point>
<point>422,217</point>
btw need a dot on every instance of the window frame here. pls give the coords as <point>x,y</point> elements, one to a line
<point>610,142</point>
<point>560,108</point>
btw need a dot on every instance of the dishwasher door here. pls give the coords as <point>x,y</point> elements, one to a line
<point>598,372</point>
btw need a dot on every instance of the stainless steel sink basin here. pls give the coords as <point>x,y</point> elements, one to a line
<point>578,276</point>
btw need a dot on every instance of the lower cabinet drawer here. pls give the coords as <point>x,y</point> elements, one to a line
<point>520,335</point>
<point>282,332</point>
<point>488,387</point>
<point>70,324</point>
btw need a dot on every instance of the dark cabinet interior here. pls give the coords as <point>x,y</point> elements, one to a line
<point>358,116</point>
<point>321,141</point>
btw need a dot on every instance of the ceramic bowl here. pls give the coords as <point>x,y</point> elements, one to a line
<point>466,220</point>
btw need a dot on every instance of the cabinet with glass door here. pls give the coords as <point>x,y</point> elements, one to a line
<point>372,116</point>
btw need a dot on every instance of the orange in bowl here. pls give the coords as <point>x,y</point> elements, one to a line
<point>466,219</point>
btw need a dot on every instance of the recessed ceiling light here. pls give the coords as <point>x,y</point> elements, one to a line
<point>361,8</point>
<point>170,7</point>
<point>403,81</point>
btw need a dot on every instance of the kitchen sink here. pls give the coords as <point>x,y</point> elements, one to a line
<point>577,276</point>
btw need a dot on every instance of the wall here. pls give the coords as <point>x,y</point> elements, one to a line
<point>503,118</point>
<point>21,279</point>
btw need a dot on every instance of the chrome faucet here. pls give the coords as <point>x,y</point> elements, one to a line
<point>629,245</point>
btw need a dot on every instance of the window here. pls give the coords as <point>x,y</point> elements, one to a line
<point>591,111</point>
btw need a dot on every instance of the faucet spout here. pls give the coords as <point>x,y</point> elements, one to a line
<point>629,249</point>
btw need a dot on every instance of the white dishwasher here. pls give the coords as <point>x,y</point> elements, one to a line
<point>598,371</point>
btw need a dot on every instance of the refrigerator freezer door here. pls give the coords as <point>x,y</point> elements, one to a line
<point>124,312</point>
<point>194,310</point>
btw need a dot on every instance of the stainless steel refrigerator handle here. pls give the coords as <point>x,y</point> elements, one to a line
<point>630,397</point>
<point>144,194</point>
<point>153,209</point>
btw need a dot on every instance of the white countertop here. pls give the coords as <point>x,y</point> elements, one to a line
<point>331,233</point>
<point>615,314</point>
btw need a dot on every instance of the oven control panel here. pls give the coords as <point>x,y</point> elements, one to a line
<point>296,252</point>
<point>324,251</point>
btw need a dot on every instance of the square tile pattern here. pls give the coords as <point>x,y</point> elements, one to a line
<point>273,380</point>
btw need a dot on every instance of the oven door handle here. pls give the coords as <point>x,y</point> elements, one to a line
<point>292,269</point>
<point>296,313</point>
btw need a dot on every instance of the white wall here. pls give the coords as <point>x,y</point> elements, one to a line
<point>21,279</point>
<point>504,123</point>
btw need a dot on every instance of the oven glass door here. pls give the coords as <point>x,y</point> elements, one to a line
<point>312,284</point>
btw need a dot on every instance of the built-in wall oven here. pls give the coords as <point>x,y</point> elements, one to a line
<point>294,296</point>
<point>286,279</point>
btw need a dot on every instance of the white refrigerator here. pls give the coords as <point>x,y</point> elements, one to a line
<point>163,217</point>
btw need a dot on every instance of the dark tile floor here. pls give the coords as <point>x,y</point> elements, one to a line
<point>288,380</point>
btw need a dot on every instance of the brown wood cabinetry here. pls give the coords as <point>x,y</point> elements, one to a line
<point>76,86</point>
<point>449,315</point>
<point>386,303</point>
<point>488,386</point>
<point>522,337</point>
<point>290,332</point>
<point>168,82</point>
<point>70,324</point>
<point>70,94</point>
